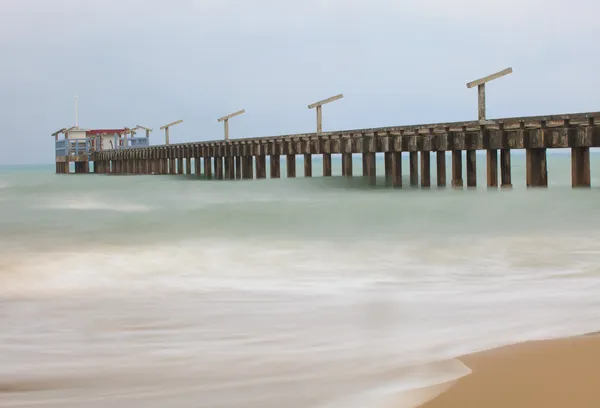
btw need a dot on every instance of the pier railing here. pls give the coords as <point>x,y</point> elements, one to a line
<point>131,142</point>
<point>77,147</point>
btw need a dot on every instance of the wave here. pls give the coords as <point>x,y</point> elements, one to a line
<point>92,204</point>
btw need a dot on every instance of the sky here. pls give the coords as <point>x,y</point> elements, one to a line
<point>397,62</point>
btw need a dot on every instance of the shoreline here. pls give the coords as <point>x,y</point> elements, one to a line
<point>550,373</point>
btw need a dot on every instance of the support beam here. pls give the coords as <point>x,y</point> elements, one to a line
<point>290,162</point>
<point>413,158</point>
<point>471,168</point>
<point>197,166</point>
<point>396,167</point>
<point>238,168</point>
<point>180,165</point>
<point>580,167</point>
<point>505,168</point>
<point>441,168</point>
<point>307,165</point>
<point>275,161</point>
<point>387,159</point>
<point>537,171</point>
<point>248,169</point>
<point>326,164</point>
<point>229,160</point>
<point>261,166</point>
<point>425,169</point>
<point>219,168</point>
<point>370,167</point>
<point>347,164</point>
<point>208,167</point>
<point>492,168</point>
<point>227,172</point>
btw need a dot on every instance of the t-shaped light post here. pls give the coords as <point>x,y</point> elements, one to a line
<point>225,119</point>
<point>480,84</point>
<point>166,128</point>
<point>319,106</point>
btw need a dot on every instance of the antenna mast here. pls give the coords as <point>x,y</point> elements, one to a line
<point>76,111</point>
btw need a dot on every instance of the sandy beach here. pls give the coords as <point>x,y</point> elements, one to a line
<point>550,374</point>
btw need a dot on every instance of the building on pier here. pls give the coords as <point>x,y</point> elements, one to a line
<point>78,144</point>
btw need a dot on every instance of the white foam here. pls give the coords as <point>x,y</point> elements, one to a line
<point>94,204</point>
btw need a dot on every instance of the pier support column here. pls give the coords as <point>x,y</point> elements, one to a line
<point>326,164</point>
<point>290,162</point>
<point>261,166</point>
<point>492,168</point>
<point>580,167</point>
<point>172,166</point>
<point>275,161</point>
<point>425,169</point>
<point>396,167</point>
<point>238,167</point>
<point>387,159</point>
<point>471,168</point>
<point>441,168</point>
<point>347,164</point>
<point>180,165</point>
<point>219,168</point>
<point>208,168</point>
<point>231,167</point>
<point>457,178</point>
<point>370,167</point>
<point>365,165</point>
<point>188,165</point>
<point>66,167</point>
<point>307,165</point>
<point>197,166</point>
<point>537,171</point>
<point>248,169</point>
<point>413,158</point>
<point>227,168</point>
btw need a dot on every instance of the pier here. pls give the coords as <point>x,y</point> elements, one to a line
<point>235,159</point>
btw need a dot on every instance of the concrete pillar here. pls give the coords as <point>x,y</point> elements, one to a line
<point>347,164</point>
<point>261,166</point>
<point>172,166</point>
<point>371,168</point>
<point>537,171</point>
<point>230,167</point>
<point>387,159</point>
<point>413,158</point>
<point>227,169</point>
<point>197,166</point>
<point>396,168</point>
<point>188,165</point>
<point>180,165</point>
<point>275,161</point>
<point>326,164</point>
<point>580,167</point>
<point>248,170</point>
<point>457,178</point>
<point>365,165</point>
<point>441,168</point>
<point>290,160</point>
<point>492,168</point>
<point>471,168</point>
<point>66,168</point>
<point>208,167</point>
<point>307,165</point>
<point>238,167</point>
<point>219,168</point>
<point>425,169</point>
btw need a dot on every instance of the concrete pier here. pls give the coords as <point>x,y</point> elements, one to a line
<point>235,159</point>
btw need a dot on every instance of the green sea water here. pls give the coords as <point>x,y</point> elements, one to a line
<point>161,291</point>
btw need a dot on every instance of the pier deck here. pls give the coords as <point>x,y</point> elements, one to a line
<point>246,158</point>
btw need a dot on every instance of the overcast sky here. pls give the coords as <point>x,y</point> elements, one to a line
<point>150,62</point>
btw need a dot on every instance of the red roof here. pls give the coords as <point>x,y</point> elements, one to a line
<point>104,131</point>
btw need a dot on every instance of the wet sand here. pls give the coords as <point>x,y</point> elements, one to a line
<point>550,374</point>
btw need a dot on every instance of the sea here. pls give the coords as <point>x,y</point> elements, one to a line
<point>174,291</point>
